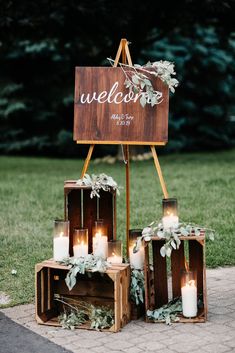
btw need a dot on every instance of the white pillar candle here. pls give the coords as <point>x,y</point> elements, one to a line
<point>80,249</point>
<point>100,245</point>
<point>114,259</point>
<point>189,299</point>
<point>61,247</point>
<point>170,221</point>
<point>136,259</point>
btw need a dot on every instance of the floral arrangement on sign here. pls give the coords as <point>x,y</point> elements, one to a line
<point>138,79</point>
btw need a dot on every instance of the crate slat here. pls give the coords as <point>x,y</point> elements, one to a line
<point>160,275</point>
<point>177,263</point>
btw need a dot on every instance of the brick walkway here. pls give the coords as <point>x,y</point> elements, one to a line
<point>215,336</point>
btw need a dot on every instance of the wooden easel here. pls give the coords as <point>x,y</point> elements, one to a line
<point>124,53</point>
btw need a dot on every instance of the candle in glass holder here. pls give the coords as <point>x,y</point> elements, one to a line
<point>80,242</point>
<point>61,240</point>
<point>114,252</point>
<point>189,293</point>
<point>100,239</point>
<point>136,259</point>
<point>170,213</point>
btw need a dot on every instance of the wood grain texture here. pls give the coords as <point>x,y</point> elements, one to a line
<point>177,264</point>
<point>93,123</point>
<point>160,275</point>
<point>196,262</point>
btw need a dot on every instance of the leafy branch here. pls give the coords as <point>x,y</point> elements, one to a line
<point>137,286</point>
<point>81,265</point>
<point>98,182</point>
<point>167,313</point>
<point>77,313</point>
<point>138,79</point>
<point>172,235</point>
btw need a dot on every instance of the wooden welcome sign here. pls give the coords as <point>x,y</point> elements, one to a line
<point>105,112</point>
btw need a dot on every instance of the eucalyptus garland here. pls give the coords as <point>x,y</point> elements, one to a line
<point>137,286</point>
<point>81,265</point>
<point>172,235</point>
<point>97,183</point>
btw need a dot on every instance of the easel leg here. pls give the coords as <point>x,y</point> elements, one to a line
<point>87,161</point>
<point>159,171</point>
<point>126,148</point>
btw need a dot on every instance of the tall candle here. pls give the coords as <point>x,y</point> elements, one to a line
<point>189,299</point>
<point>61,247</point>
<point>100,245</point>
<point>136,259</point>
<point>80,249</point>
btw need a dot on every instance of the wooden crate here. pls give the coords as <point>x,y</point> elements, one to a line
<point>159,283</point>
<point>107,289</point>
<point>78,205</point>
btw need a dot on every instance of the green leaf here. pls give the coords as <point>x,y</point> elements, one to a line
<point>143,101</point>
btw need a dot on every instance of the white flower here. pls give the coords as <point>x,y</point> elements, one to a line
<point>13,272</point>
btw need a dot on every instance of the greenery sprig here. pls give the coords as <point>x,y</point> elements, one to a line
<point>81,265</point>
<point>172,235</point>
<point>137,286</point>
<point>138,79</point>
<point>77,313</point>
<point>168,313</point>
<point>99,182</point>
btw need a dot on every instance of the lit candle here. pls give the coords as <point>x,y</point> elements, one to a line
<point>170,221</point>
<point>136,259</point>
<point>189,293</point>
<point>114,259</point>
<point>80,250</point>
<point>80,242</point>
<point>100,245</point>
<point>61,247</point>
<point>170,213</point>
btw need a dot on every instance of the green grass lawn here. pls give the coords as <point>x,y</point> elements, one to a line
<point>32,197</point>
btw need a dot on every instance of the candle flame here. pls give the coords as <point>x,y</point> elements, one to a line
<point>61,234</point>
<point>170,214</point>
<point>98,235</point>
<point>190,283</point>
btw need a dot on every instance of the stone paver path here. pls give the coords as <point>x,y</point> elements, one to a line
<point>215,336</point>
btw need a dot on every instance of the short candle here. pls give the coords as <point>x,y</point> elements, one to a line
<point>189,295</point>
<point>136,259</point>
<point>80,242</point>
<point>114,259</point>
<point>170,213</point>
<point>114,252</point>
